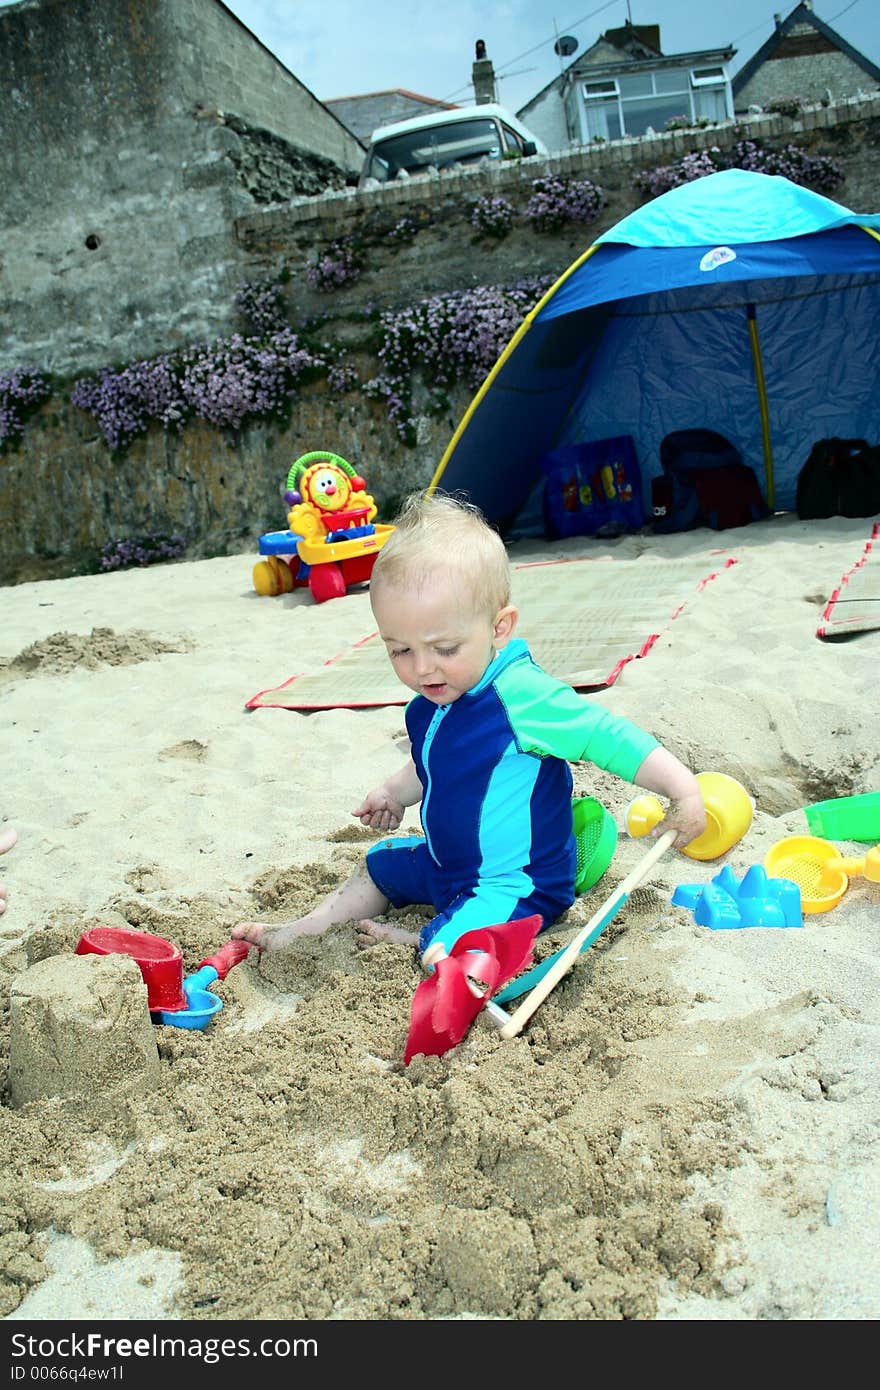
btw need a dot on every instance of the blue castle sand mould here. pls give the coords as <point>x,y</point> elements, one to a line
<point>754,901</point>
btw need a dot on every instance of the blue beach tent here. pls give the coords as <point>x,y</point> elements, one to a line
<point>739,303</point>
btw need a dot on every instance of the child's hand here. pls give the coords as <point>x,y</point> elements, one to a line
<point>687,816</point>
<point>379,810</point>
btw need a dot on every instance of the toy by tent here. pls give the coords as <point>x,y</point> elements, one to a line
<point>739,303</point>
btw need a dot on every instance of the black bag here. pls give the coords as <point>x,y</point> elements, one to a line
<point>704,483</point>
<point>841,477</point>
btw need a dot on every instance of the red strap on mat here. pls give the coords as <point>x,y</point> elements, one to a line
<point>446,1003</point>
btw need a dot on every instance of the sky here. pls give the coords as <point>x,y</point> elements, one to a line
<point>341,48</point>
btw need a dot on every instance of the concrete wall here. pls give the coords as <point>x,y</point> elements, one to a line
<point>223,64</point>
<point>62,495</point>
<point>131,136</point>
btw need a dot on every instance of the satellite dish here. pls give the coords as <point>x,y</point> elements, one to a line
<point>565,46</point>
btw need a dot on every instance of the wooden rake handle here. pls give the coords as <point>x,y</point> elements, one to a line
<point>597,923</point>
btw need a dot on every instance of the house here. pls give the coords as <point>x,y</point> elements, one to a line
<point>364,114</point>
<point>803,58</point>
<point>626,85</point>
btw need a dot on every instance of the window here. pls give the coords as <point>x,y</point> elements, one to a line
<point>459,142</point>
<point>604,121</point>
<point>512,143</point>
<point>703,77</point>
<point>639,85</point>
<point>636,102</point>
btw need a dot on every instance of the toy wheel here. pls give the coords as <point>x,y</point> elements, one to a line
<point>326,582</point>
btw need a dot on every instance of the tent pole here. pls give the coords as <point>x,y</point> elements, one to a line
<point>508,351</point>
<point>762,405</point>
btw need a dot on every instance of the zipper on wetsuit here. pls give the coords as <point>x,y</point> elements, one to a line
<point>430,735</point>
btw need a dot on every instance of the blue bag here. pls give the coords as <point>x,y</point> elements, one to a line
<point>592,489</point>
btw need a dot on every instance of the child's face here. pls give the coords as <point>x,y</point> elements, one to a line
<point>438,646</point>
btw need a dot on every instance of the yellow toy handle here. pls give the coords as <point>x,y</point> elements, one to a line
<point>866,865</point>
<point>729,811</point>
<point>641,815</point>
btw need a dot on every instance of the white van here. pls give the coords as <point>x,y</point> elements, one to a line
<point>461,135</point>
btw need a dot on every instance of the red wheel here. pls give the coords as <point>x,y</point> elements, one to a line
<point>326,582</point>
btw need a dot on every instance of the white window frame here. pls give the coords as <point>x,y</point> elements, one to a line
<point>707,77</point>
<point>606,92</point>
<point>609,89</point>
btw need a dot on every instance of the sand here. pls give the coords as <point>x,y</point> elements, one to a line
<point>687,1127</point>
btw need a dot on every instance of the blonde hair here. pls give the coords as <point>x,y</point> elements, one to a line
<point>439,533</point>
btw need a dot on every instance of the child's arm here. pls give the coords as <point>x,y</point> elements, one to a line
<point>662,772</point>
<point>383,808</point>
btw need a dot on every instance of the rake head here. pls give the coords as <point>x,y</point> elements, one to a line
<point>447,1002</point>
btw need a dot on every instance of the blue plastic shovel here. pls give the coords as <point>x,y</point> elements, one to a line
<point>201,1001</point>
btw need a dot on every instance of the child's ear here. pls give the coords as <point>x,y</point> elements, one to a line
<point>505,625</point>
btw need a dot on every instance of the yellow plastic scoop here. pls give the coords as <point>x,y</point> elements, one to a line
<point>819,869</point>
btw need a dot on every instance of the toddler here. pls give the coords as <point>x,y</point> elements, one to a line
<point>491,738</point>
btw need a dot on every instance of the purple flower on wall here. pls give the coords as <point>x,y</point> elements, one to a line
<point>261,305</point>
<point>820,172</point>
<point>21,391</point>
<point>339,265</point>
<point>556,201</point>
<point>141,550</point>
<point>448,338</point>
<point>224,382</point>
<point>492,217</point>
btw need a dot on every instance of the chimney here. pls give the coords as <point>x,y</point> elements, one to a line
<point>483,76</point>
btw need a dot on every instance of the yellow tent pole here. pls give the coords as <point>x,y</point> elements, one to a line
<point>762,406</point>
<point>515,340</point>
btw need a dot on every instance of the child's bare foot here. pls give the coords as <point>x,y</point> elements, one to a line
<point>371,933</point>
<point>274,936</point>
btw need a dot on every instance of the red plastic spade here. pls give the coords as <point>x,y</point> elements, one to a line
<point>447,1002</point>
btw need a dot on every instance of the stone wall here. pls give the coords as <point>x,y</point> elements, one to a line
<point>445,256</point>
<point>62,495</point>
<point>803,63</point>
<point>809,77</point>
<point>127,150</point>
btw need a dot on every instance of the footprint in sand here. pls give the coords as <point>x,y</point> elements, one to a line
<point>189,750</point>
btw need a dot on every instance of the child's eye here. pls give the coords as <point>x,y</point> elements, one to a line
<point>399,651</point>
<point>447,651</point>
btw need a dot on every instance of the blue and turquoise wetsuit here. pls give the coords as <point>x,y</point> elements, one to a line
<point>496,806</point>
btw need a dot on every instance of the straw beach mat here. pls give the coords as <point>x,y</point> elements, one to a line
<point>582,619</point>
<point>854,606</point>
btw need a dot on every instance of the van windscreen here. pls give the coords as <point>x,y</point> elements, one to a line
<point>459,142</point>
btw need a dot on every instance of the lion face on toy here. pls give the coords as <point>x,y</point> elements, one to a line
<point>327,487</point>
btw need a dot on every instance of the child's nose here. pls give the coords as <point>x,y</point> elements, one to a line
<point>424,664</point>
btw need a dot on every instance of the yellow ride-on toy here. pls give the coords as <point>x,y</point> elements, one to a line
<point>332,541</point>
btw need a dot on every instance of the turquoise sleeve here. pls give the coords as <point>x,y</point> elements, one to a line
<point>549,718</point>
